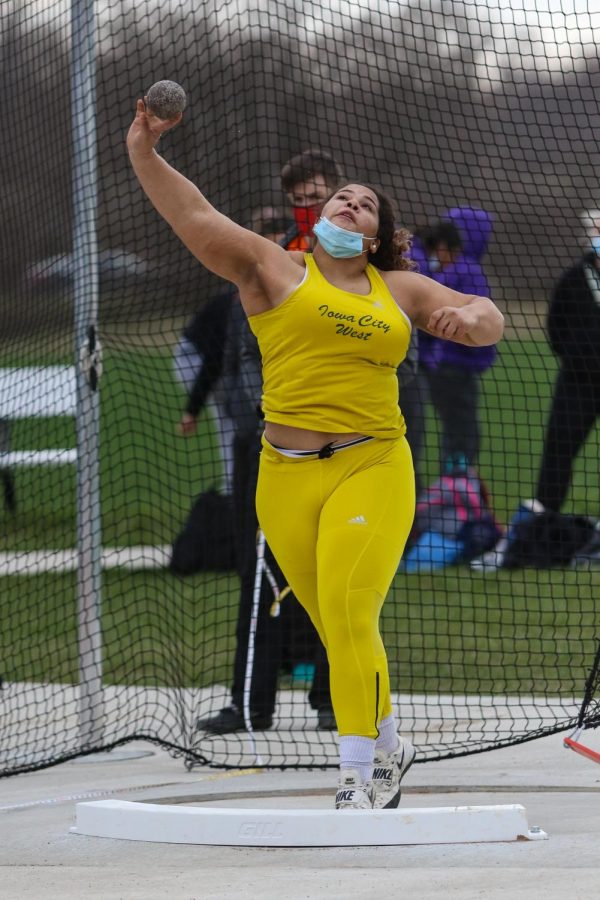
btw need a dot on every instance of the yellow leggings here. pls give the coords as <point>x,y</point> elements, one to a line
<point>337,528</point>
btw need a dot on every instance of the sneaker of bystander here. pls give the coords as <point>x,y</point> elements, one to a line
<point>494,559</point>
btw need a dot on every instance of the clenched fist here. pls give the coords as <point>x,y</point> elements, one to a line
<point>452,323</point>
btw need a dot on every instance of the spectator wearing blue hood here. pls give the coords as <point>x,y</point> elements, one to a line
<point>450,253</point>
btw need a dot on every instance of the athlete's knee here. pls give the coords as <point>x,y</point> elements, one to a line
<point>368,564</point>
<point>352,619</point>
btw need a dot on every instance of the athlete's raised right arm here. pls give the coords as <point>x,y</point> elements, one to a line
<point>233,252</point>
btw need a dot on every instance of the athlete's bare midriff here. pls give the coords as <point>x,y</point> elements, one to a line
<point>290,438</point>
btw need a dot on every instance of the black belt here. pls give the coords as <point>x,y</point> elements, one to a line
<point>326,451</point>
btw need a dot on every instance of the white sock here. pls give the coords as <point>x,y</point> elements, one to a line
<point>387,741</point>
<point>357,753</point>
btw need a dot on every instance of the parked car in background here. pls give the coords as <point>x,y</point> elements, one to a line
<point>119,271</point>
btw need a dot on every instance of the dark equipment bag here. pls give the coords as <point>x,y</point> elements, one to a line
<point>547,540</point>
<point>206,542</point>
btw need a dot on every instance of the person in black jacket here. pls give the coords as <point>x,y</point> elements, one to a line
<point>199,355</point>
<point>198,364</point>
<point>574,335</point>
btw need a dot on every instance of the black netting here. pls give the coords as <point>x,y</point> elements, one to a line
<point>443,105</point>
<point>589,714</point>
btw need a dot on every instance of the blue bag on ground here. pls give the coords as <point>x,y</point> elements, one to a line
<point>453,522</point>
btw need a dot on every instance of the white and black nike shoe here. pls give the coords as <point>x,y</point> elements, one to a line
<point>353,792</point>
<point>390,769</point>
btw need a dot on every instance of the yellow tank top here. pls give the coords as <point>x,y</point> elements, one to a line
<point>330,357</point>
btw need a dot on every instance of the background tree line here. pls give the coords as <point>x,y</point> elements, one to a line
<point>428,99</point>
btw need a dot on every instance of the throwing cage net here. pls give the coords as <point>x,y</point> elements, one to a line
<point>125,615</point>
<point>589,714</point>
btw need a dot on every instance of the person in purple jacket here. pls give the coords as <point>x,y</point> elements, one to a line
<point>450,374</point>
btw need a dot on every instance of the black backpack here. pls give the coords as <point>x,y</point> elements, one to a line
<point>547,540</point>
<point>206,542</point>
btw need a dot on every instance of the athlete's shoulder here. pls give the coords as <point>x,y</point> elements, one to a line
<point>406,287</point>
<point>402,276</point>
<point>403,281</point>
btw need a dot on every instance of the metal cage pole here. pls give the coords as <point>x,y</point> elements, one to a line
<point>85,254</point>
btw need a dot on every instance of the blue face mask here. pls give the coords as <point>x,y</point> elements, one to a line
<point>595,242</point>
<point>434,264</point>
<point>337,241</point>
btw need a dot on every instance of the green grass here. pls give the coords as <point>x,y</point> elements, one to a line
<point>516,397</point>
<point>521,632</point>
<point>525,631</point>
<point>157,629</point>
<point>148,473</point>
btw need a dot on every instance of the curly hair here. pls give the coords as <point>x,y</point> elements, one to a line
<point>394,242</point>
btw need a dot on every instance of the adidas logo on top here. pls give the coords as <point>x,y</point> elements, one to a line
<point>357,520</point>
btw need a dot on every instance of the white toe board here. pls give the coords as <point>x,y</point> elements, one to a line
<point>301,827</point>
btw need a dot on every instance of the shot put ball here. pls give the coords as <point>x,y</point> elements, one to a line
<point>166,99</point>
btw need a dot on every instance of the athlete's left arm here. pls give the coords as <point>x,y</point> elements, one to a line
<point>444,313</point>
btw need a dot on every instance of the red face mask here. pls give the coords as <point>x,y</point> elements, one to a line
<point>306,218</point>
